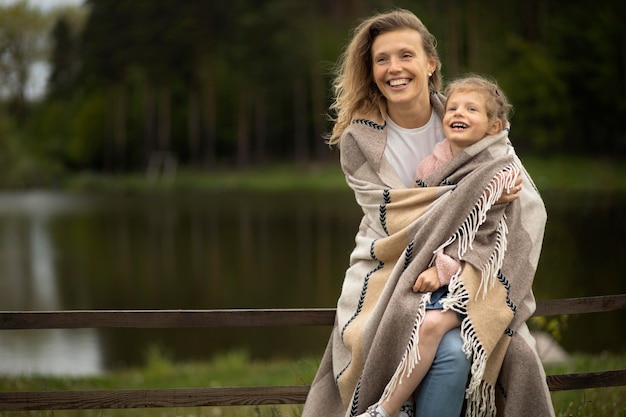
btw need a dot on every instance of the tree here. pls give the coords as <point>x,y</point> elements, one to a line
<point>107,53</point>
<point>64,60</point>
<point>23,43</point>
<point>247,81</point>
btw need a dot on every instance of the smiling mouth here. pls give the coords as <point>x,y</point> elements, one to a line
<point>399,83</point>
<point>458,125</point>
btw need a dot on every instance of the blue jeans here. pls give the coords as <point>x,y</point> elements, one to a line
<point>442,391</point>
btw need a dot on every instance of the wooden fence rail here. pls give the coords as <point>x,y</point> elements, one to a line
<point>196,397</point>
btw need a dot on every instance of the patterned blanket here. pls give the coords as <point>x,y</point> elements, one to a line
<point>374,340</point>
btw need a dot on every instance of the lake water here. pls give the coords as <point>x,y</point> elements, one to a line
<point>239,250</point>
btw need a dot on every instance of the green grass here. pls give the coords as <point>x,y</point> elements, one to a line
<point>323,177</point>
<point>227,370</point>
<point>564,174</point>
<point>600,402</point>
<point>577,174</point>
<point>238,369</point>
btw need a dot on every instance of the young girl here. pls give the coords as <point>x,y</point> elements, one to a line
<point>475,108</point>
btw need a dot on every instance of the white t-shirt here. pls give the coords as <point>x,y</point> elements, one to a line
<point>406,148</point>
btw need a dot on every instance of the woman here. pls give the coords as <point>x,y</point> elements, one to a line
<point>388,118</point>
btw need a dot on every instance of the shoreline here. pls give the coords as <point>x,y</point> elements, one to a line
<point>564,174</point>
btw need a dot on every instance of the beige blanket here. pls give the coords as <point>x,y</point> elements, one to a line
<point>374,341</point>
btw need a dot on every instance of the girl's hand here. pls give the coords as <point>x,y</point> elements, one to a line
<point>427,281</point>
<point>511,194</point>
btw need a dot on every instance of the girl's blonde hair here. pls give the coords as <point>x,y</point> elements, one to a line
<point>497,105</point>
<point>354,87</point>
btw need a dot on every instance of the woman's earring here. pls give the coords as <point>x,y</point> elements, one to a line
<point>430,74</point>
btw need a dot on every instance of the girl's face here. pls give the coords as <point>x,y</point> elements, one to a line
<point>465,121</point>
<point>401,68</point>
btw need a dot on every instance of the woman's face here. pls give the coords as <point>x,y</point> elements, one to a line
<point>401,68</point>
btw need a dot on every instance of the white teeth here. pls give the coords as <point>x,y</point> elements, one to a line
<point>395,83</point>
<point>459,125</point>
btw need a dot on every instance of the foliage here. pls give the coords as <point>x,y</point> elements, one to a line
<point>247,82</point>
<point>22,44</point>
<point>596,85</point>
<point>18,167</point>
<point>551,325</point>
<point>63,59</point>
<point>535,130</point>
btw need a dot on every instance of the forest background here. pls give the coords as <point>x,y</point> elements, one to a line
<point>232,85</point>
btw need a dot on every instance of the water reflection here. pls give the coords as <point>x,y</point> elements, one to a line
<point>29,282</point>
<point>74,352</point>
<point>234,250</point>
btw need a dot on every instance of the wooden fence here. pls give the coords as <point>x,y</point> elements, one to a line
<point>196,397</point>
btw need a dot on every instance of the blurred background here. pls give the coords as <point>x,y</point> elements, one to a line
<point>111,85</point>
<point>116,87</point>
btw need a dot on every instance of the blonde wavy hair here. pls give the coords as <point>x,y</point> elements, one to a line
<point>354,87</point>
<point>497,104</point>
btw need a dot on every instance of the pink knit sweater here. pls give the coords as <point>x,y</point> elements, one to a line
<point>442,153</point>
<point>446,265</point>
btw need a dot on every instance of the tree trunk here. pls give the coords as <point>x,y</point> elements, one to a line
<point>194,124</point>
<point>115,150</point>
<point>149,120</point>
<point>318,109</point>
<point>453,48</point>
<point>624,61</point>
<point>299,121</point>
<point>472,36</point>
<point>120,129</point>
<point>260,126</point>
<point>164,122</point>
<point>243,128</point>
<point>210,120</point>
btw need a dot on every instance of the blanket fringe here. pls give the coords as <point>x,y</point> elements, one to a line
<point>466,234</point>
<point>411,355</point>
<point>480,395</point>
<point>457,297</point>
<point>490,270</point>
<point>484,403</point>
<point>472,348</point>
